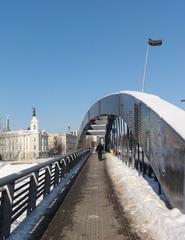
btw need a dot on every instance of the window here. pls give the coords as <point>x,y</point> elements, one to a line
<point>34,127</point>
<point>35,147</point>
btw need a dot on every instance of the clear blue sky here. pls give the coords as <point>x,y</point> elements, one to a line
<point>62,55</point>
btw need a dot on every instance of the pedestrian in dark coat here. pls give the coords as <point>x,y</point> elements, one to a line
<point>99,150</point>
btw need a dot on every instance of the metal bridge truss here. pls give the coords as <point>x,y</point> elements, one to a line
<point>146,132</point>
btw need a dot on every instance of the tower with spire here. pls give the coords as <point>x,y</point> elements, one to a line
<point>7,125</point>
<point>24,144</point>
<point>34,121</point>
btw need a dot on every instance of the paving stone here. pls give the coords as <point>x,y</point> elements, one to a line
<point>89,210</point>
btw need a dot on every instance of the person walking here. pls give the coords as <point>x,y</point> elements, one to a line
<point>99,150</point>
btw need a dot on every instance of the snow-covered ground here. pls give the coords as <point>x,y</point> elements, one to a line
<point>147,211</point>
<point>9,168</point>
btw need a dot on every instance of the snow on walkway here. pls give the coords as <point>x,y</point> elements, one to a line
<point>146,210</point>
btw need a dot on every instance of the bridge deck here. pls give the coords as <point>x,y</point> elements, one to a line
<point>89,211</point>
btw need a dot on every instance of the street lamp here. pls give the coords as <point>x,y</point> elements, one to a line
<point>151,43</point>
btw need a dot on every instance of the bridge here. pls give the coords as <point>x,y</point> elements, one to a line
<point>144,131</point>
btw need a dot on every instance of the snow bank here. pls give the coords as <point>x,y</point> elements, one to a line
<point>8,168</point>
<point>147,212</point>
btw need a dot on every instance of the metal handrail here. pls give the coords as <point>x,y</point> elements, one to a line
<point>15,176</point>
<point>21,192</point>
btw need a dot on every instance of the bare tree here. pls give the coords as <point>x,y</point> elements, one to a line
<point>58,147</point>
<point>6,152</point>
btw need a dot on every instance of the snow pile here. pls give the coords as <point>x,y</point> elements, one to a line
<point>147,212</point>
<point>8,168</point>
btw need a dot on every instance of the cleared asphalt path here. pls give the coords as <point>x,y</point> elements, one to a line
<point>90,209</point>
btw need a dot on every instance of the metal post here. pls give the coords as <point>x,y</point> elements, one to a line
<point>47,183</point>
<point>118,148</point>
<point>145,67</point>
<point>138,159</point>
<point>124,142</point>
<point>159,190</point>
<point>143,164</point>
<point>63,167</point>
<point>128,148</point>
<point>117,136</point>
<point>122,138</point>
<point>113,136</point>
<point>150,172</point>
<point>32,192</point>
<point>131,149</point>
<point>134,157</point>
<point>57,173</point>
<point>6,211</point>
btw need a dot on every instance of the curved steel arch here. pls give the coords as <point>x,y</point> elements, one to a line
<point>157,126</point>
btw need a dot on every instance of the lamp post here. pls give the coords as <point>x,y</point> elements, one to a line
<point>152,43</point>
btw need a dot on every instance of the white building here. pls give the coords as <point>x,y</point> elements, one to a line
<point>23,144</point>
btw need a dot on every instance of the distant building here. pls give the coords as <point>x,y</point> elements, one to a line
<point>74,132</point>
<point>55,145</point>
<point>69,141</point>
<point>23,144</point>
<point>91,141</point>
<point>62,143</point>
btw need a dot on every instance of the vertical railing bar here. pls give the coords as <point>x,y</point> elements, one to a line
<point>6,210</point>
<point>32,199</point>
<point>47,180</point>
<point>57,171</point>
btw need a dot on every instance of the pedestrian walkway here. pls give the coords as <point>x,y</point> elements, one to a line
<point>89,210</point>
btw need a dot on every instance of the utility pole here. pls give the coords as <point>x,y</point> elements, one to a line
<point>152,43</point>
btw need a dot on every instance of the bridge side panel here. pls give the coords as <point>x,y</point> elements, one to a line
<point>167,151</point>
<point>110,105</point>
<point>163,147</point>
<point>94,111</point>
<point>127,110</point>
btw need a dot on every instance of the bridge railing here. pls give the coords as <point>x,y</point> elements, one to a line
<point>20,193</point>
